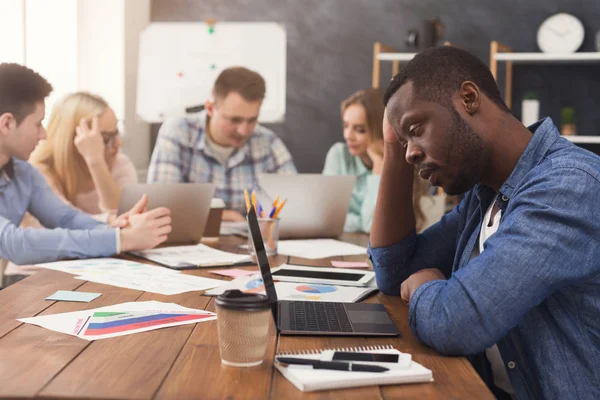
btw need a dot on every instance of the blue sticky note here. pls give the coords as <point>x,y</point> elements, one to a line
<point>67,295</point>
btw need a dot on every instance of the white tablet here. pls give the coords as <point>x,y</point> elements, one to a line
<point>331,276</point>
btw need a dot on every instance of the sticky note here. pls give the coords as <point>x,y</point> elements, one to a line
<point>67,295</point>
<point>234,273</point>
<point>349,264</point>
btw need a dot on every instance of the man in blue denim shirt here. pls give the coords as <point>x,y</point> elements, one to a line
<point>510,277</point>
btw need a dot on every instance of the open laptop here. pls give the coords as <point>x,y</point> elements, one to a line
<point>318,317</point>
<point>189,204</point>
<point>316,205</point>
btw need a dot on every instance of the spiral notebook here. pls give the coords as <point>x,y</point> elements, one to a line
<point>308,379</point>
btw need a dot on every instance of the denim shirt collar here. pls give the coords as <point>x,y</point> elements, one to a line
<point>545,134</point>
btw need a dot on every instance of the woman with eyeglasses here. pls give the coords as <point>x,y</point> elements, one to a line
<point>81,161</point>
<point>80,157</point>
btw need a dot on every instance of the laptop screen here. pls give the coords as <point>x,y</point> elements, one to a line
<point>263,260</point>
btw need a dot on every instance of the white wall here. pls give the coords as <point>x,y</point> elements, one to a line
<point>51,44</point>
<point>108,53</point>
<point>101,50</point>
<point>12,31</point>
<point>89,45</point>
<point>137,141</point>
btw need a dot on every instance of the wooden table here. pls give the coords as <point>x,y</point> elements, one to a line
<point>183,362</point>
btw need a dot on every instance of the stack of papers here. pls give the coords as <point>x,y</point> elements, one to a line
<point>297,291</point>
<point>101,266</point>
<point>167,284</point>
<point>120,319</point>
<point>133,275</point>
<point>318,248</point>
<point>198,255</point>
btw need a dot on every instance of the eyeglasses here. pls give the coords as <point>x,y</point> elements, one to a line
<point>109,138</point>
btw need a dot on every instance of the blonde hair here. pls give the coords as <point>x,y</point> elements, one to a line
<point>371,101</point>
<point>57,155</point>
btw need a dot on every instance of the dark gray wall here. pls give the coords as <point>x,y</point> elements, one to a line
<point>330,53</point>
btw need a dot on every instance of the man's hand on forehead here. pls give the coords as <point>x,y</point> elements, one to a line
<point>388,132</point>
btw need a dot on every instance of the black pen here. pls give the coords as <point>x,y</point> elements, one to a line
<point>339,366</point>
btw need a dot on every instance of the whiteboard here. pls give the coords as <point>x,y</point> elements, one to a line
<point>179,62</point>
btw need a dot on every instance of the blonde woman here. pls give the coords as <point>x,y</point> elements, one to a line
<point>81,161</point>
<point>362,156</point>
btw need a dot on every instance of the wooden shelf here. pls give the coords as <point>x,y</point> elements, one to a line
<point>395,56</point>
<point>584,139</point>
<point>502,53</point>
<point>383,52</point>
<point>534,58</point>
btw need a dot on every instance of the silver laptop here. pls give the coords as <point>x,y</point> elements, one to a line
<point>189,204</point>
<point>316,205</point>
<point>318,317</point>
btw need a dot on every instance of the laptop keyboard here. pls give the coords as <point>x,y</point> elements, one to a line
<point>319,317</point>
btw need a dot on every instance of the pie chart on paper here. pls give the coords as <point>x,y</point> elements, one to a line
<point>254,286</point>
<point>316,289</point>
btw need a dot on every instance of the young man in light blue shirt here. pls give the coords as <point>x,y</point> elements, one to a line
<point>71,233</point>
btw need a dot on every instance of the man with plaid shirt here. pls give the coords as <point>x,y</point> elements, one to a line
<point>223,144</point>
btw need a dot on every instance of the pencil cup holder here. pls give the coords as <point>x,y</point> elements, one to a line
<point>269,230</point>
<point>243,321</point>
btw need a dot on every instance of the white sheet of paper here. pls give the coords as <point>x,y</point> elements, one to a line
<point>234,273</point>
<point>68,295</point>
<point>318,248</point>
<point>166,284</point>
<point>103,266</point>
<point>349,264</point>
<point>229,228</point>
<point>200,255</point>
<point>296,291</point>
<point>74,323</point>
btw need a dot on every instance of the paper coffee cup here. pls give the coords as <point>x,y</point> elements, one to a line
<point>243,321</point>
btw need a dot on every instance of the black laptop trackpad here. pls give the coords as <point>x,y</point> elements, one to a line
<point>370,318</point>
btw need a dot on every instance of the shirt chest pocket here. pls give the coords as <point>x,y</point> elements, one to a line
<point>12,206</point>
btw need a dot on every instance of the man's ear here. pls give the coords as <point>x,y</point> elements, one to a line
<point>209,106</point>
<point>7,123</point>
<point>470,97</point>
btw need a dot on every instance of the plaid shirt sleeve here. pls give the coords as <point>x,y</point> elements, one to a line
<point>282,159</point>
<point>171,156</point>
